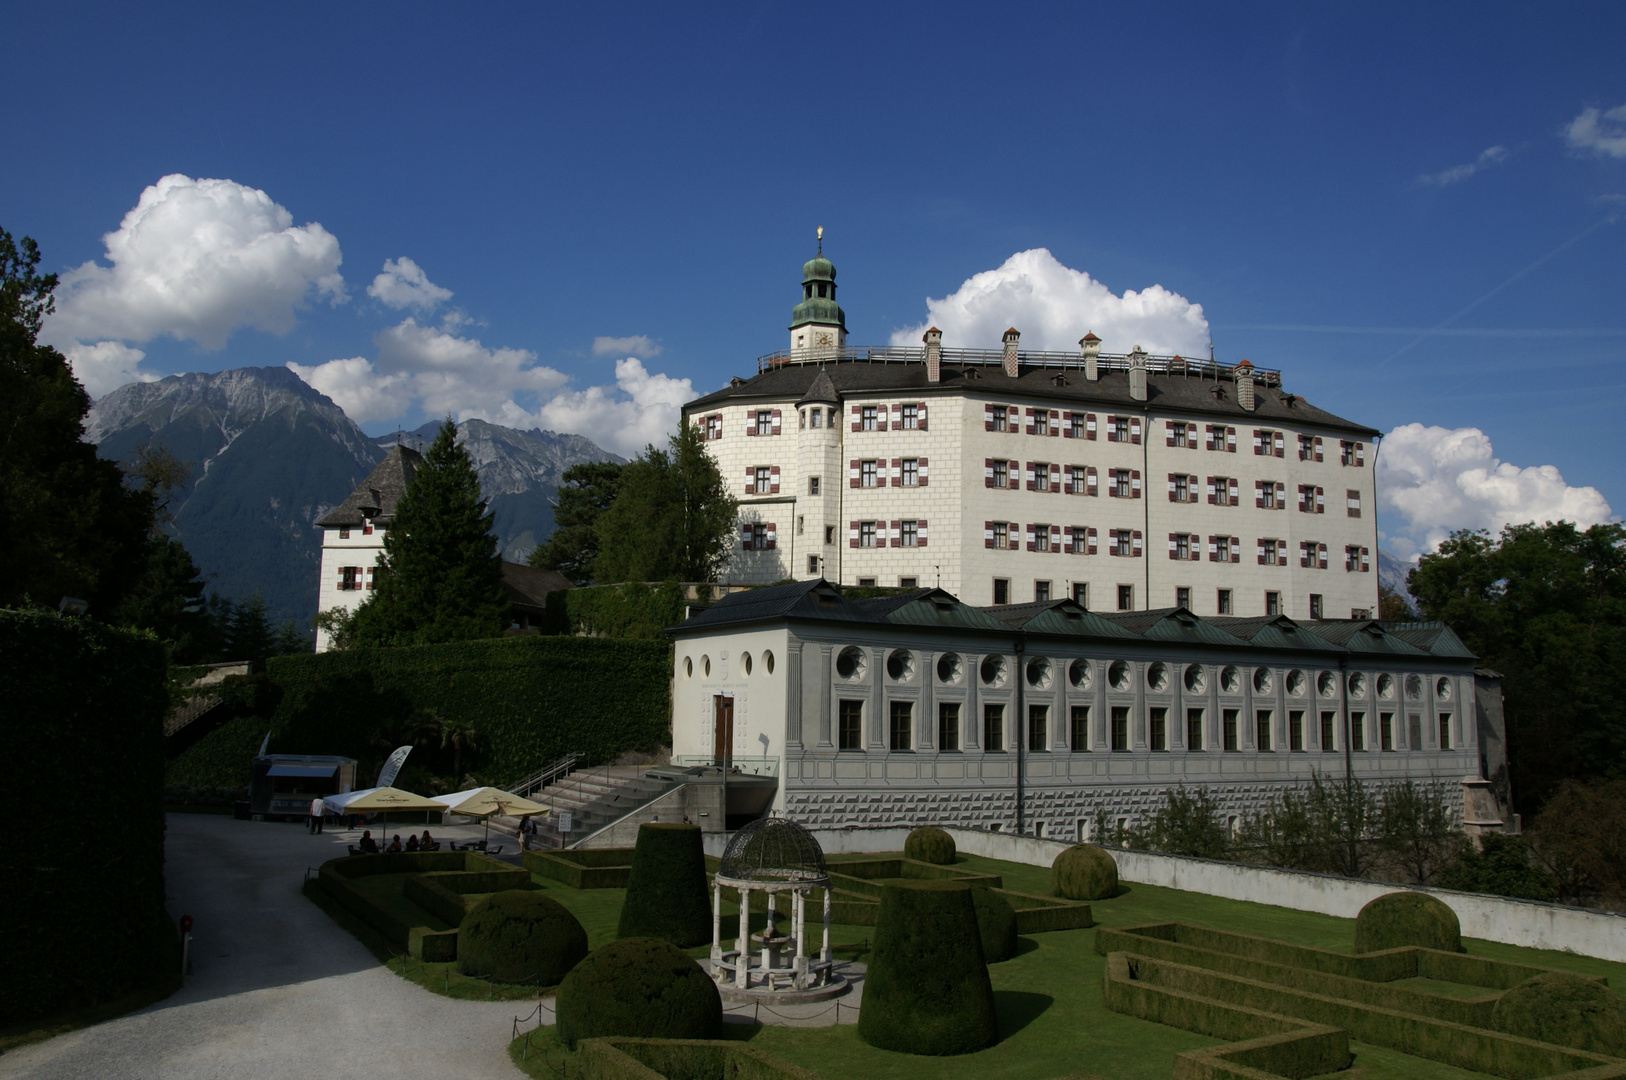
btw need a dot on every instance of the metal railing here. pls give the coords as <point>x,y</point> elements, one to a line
<point>544,776</point>
<point>904,354</point>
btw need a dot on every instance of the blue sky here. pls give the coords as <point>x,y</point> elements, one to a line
<point>1414,213</point>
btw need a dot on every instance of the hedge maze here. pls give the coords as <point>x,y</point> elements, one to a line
<point>1291,1010</point>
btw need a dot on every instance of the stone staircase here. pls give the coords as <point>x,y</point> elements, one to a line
<point>594,798</point>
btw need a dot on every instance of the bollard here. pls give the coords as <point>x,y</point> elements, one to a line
<point>186,946</point>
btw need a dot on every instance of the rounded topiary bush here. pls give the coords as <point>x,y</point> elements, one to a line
<point>1566,1009</point>
<point>927,990</point>
<point>930,844</point>
<point>1084,872</point>
<point>519,936</point>
<point>666,886</point>
<point>638,987</point>
<point>1400,919</point>
<point>996,925</point>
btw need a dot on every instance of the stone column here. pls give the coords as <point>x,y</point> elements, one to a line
<point>824,950</point>
<point>742,976</point>
<point>716,922</point>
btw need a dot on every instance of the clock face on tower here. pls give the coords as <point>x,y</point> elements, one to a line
<point>823,339</point>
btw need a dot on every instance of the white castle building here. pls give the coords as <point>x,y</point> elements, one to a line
<point>1124,481</point>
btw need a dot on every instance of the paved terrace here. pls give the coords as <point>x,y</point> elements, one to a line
<point>279,991</point>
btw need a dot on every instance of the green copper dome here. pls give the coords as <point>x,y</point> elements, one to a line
<point>818,295</point>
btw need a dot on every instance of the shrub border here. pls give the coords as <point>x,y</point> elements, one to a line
<point>587,868</point>
<point>420,942</point>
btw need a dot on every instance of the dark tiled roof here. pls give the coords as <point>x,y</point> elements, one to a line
<point>1436,637</point>
<point>379,493</point>
<point>1057,618</point>
<point>1164,393</point>
<point>528,587</point>
<point>799,600</point>
<point>1365,636</point>
<point>1170,624</point>
<point>1276,632</point>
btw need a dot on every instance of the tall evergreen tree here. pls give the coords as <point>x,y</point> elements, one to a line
<point>672,518</point>
<point>588,490</point>
<point>69,525</point>
<point>440,578</point>
<point>249,637</point>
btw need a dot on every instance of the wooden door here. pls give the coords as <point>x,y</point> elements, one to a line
<point>722,731</point>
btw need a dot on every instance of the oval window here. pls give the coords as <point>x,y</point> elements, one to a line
<point>1295,682</point>
<point>1386,686</point>
<point>948,668</point>
<point>705,666</point>
<point>850,663</point>
<point>1196,679</point>
<point>1327,684</point>
<point>1414,687</point>
<point>992,670</point>
<point>745,663</point>
<point>1442,689</point>
<point>1262,680</point>
<point>1157,677</point>
<point>1230,680</point>
<point>767,661</point>
<point>1039,672</point>
<point>688,667</point>
<point>1081,673</point>
<point>1357,684</point>
<point>1118,675</point>
<point>900,665</point>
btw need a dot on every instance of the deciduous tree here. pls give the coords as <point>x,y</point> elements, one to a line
<point>672,517</point>
<point>588,490</point>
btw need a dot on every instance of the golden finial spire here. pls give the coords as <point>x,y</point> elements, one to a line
<point>821,239</point>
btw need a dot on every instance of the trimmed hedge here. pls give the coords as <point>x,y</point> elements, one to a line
<point>422,942</point>
<point>1399,919</point>
<point>84,708</point>
<point>1084,872</point>
<point>930,845</point>
<point>1567,1009</point>
<point>996,925</point>
<point>641,987</point>
<point>927,989</point>
<point>657,1059</point>
<point>518,936</point>
<point>603,868</point>
<point>529,700</point>
<point>435,898</point>
<point>666,886</point>
<point>1229,1006</point>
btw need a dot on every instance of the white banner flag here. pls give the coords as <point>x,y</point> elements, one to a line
<point>392,767</point>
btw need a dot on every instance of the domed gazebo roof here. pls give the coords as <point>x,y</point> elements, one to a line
<point>773,850</point>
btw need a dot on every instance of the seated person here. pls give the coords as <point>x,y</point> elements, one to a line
<point>412,842</point>
<point>368,844</point>
<point>428,843</point>
<point>395,845</point>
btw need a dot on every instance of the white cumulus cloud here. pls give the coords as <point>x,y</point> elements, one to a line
<point>1443,479</point>
<point>106,365</point>
<point>1053,306</point>
<point>358,388</point>
<point>1494,155</point>
<point>196,260</point>
<point>641,408</point>
<point>640,345</point>
<point>402,283</point>
<point>1601,132</point>
<point>458,375</point>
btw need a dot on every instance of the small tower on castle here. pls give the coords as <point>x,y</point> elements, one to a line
<point>818,326</point>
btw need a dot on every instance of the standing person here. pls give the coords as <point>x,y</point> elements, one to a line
<point>526,828</point>
<point>314,826</point>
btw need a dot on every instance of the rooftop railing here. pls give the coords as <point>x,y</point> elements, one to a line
<point>903,354</point>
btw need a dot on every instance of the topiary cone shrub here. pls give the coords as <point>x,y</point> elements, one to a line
<point>927,990</point>
<point>520,936</point>
<point>666,886</point>
<point>1084,872</point>
<point>1566,1009</point>
<point>638,987</point>
<point>1400,919</point>
<point>996,925</point>
<point>930,844</point>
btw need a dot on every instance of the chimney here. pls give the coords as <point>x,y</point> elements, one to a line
<point>1137,374</point>
<point>934,354</point>
<point>1011,338</point>
<point>1089,347</point>
<point>1243,374</point>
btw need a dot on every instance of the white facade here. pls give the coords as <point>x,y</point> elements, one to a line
<point>350,556</point>
<point>962,487</point>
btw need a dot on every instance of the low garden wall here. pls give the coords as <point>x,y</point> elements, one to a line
<point>1529,923</point>
<point>439,881</point>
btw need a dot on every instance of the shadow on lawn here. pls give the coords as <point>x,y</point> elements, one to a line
<point>1019,1008</point>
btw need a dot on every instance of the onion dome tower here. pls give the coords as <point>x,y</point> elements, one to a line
<point>818,326</point>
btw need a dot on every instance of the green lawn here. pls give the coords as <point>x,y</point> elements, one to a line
<point>1053,1018</point>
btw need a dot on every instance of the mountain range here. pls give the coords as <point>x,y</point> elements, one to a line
<point>267,456</point>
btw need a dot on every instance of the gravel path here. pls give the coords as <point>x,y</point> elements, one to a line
<point>278,990</point>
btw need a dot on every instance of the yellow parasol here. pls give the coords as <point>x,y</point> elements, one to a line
<point>488,802</point>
